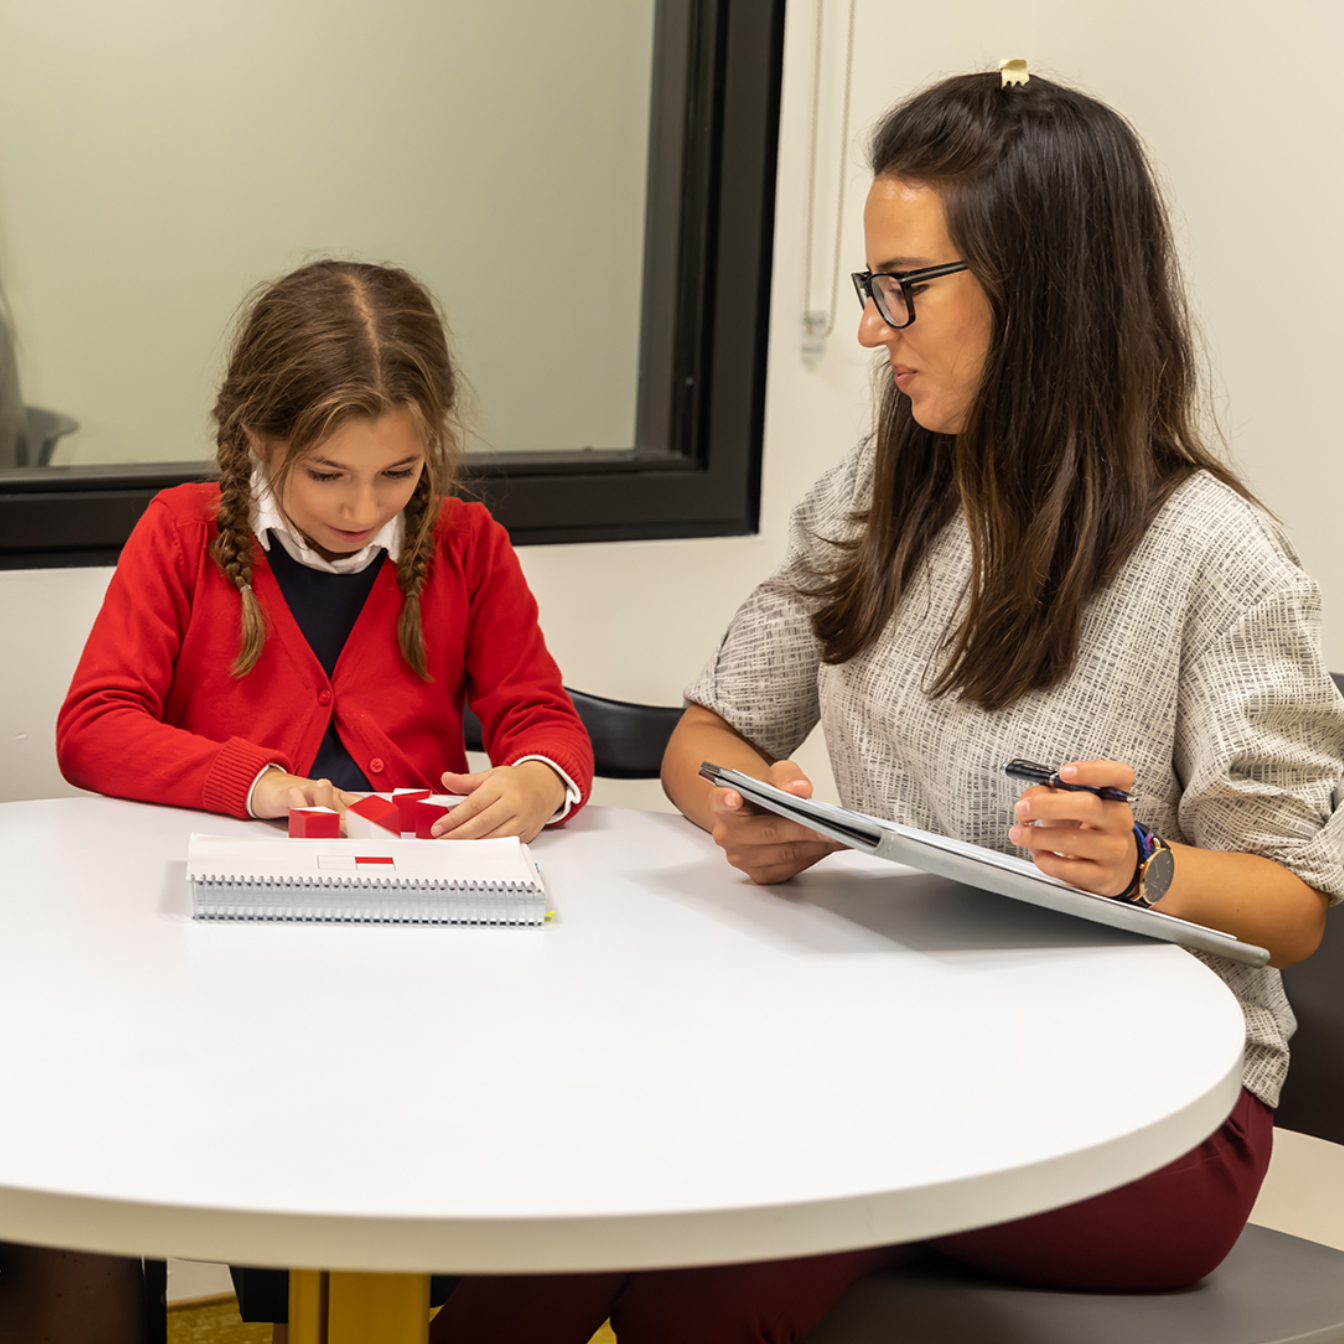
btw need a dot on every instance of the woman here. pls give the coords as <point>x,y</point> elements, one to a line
<point>1033,556</point>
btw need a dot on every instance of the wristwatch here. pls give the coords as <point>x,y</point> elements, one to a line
<point>1153,872</point>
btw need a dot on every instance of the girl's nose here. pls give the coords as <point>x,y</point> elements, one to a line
<point>361,508</point>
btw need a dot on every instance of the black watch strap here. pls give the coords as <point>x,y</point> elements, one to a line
<point>1153,871</point>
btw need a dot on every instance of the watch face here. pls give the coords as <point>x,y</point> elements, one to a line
<point>1157,875</point>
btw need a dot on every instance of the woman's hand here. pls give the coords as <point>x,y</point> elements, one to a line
<point>276,792</point>
<point>1089,842</point>
<point>768,848</point>
<point>1082,839</point>
<point>508,800</point>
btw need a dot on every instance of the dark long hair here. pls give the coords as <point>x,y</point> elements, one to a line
<point>332,342</point>
<point>1084,421</point>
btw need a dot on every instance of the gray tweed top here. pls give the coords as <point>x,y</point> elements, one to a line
<point>1200,666</point>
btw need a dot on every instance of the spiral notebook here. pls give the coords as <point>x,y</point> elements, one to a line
<point>365,881</point>
<point>1005,874</point>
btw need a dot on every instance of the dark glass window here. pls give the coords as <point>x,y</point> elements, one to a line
<point>693,468</point>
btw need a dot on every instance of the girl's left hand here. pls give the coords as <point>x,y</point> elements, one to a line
<point>508,800</point>
<point>1077,837</point>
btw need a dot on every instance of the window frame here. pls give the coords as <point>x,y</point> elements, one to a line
<point>704,330</point>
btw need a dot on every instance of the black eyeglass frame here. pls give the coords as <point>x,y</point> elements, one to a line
<point>863,287</point>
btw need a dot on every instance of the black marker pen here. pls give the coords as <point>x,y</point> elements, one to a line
<point>1043,774</point>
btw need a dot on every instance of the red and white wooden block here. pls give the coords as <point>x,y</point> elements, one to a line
<point>406,800</point>
<point>314,823</point>
<point>373,818</point>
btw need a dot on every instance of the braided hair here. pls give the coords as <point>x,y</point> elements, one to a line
<point>332,342</point>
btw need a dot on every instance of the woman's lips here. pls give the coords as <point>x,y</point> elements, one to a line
<point>902,375</point>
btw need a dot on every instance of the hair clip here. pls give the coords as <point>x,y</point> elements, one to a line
<point>1013,71</point>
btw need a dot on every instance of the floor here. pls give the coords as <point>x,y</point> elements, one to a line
<point>213,1323</point>
<point>217,1322</point>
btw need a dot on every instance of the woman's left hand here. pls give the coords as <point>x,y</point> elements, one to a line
<point>1078,837</point>
<point>508,800</point>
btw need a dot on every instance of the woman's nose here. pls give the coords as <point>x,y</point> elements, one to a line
<point>873,331</point>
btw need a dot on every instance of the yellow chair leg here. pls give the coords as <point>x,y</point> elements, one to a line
<point>377,1309</point>
<point>307,1306</point>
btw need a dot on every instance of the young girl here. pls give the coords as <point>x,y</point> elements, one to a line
<point>312,625</point>
<point>1035,556</point>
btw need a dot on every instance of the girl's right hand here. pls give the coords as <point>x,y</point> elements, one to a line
<point>768,848</point>
<point>276,792</point>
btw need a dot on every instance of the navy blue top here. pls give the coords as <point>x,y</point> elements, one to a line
<point>325,607</point>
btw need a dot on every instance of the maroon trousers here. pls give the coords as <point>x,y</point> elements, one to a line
<point>1164,1231</point>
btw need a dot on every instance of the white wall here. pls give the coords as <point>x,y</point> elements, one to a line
<point>45,614</point>
<point>1240,106</point>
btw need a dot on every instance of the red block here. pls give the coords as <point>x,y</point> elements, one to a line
<point>373,818</point>
<point>314,823</point>
<point>424,815</point>
<point>406,799</point>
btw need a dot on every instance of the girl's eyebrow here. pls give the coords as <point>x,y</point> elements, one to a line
<point>340,466</point>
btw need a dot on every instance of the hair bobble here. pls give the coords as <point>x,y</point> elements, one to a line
<point>1013,71</point>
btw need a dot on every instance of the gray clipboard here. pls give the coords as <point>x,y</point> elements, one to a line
<point>1005,874</point>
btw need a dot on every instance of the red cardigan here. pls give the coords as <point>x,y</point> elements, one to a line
<point>154,712</point>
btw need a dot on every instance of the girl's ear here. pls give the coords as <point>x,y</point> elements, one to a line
<point>262,448</point>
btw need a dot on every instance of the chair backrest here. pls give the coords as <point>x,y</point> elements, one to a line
<point>628,739</point>
<point>43,429</point>
<point>1313,1097</point>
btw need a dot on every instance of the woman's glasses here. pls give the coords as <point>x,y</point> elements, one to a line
<point>893,292</point>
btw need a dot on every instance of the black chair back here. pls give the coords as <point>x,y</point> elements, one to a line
<point>628,739</point>
<point>1313,1097</point>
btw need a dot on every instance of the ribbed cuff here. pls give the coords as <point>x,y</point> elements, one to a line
<point>235,770</point>
<point>569,769</point>
<point>573,794</point>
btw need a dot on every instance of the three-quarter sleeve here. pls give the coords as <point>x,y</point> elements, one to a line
<point>1260,735</point>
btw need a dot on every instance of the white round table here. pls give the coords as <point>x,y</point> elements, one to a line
<point>681,1069</point>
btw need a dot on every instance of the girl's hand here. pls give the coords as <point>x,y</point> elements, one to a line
<point>277,792</point>
<point>768,848</point>
<point>508,800</point>
<point>1077,837</point>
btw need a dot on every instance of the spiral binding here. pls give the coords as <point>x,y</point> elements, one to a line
<point>237,897</point>
<point>365,883</point>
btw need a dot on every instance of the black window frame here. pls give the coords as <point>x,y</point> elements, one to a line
<point>714,133</point>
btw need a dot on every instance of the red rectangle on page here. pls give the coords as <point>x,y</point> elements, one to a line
<point>374,858</point>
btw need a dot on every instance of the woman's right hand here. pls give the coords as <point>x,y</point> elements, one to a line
<point>276,792</point>
<point>768,848</point>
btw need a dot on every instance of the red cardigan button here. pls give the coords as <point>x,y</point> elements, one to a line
<point>376,765</point>
<point>324,697</point>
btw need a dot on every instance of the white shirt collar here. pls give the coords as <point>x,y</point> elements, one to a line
<point>267,518</point>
